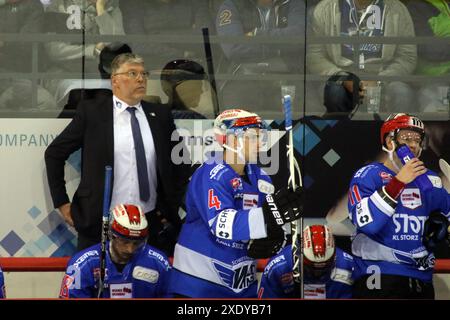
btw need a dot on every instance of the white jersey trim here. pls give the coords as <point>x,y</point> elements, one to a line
<point>382,205</point>
<point>256,224</point>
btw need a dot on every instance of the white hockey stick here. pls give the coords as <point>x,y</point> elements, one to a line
<point>296,226</point>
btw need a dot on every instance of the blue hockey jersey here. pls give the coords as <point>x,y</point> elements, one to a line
<point>145,276</point>
<point>2,285</point>
<point>388,239</point>
<point>277,280</point>
<point>223,213</point>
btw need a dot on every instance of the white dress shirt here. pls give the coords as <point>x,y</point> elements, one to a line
<point>126,184</point>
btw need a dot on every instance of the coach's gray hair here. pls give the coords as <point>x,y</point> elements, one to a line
<point>125,58</point>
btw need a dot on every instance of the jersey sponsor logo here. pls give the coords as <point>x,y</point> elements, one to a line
<point>361,173</point>
<point>265,187</point>
<point>274,261</point>
<point>342,275</point>
<point>159,257</point>
<point>80,260</point>
<point>435,181</point>
<point>386,177</point>
<point>225,17</point>
<point>215,171</point>
<point>238,277</point>
<point>225,220</point>
<point>274,209</point>
<point>250,201</point>
<point>409,226</point>
<point>213,201</point>
<point>66,284</point>
<point>411,198</point>
<point>145,274</point>
<point>236,184</point>
<point>121,290</point>
<point>363,215</point>
<point>314,291</point>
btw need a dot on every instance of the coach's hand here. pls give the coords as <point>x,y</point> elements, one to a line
<point>66,213</point>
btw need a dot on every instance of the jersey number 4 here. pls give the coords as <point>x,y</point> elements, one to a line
<point>213,201</point>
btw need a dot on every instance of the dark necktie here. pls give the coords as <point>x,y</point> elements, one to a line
<point>141,161</point>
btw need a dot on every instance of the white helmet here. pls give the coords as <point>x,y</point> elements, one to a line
<point>128,221</point>
<point>319,251</point>
<point>236,122</point>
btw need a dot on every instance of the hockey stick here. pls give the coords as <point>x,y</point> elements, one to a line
<point>445,168</point>
<point>296,226</point>
<point>105,228</point>
<point>210,65</point>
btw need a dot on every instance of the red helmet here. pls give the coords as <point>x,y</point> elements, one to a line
<point>128,221</point>
<point>319,251</point>
<point>235,121</point>
<point>397,121</point>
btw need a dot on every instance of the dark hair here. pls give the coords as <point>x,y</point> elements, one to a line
<point>107,56</point>
<point>181,70</point>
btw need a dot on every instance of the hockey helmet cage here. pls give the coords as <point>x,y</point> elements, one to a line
<point>397,121</point>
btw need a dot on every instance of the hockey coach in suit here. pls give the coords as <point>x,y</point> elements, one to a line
<point>132,136</point>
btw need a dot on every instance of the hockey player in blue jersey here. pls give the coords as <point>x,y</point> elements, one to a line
<point>327,269</point>
<point>2,285</point>
<point>133,268</point>
<point>389,209</point>
<point>229,202</point>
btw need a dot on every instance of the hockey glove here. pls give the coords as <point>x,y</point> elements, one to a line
<point>435,230</point>
<point>267,247</point>
<point>282,207</point>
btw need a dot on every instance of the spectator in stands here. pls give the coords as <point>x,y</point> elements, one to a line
<point>432,19</point>
<point>100,17</point>
<point>257,18</point>
<point>383,18</point>
<point>21,17</point>
<point>107,129</point>
<point>182,81</point>
<point>327,269</point>
<point>133,268</point>
<point>166,17</point>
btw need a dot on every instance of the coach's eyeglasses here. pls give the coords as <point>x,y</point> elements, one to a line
<point>134,74</point>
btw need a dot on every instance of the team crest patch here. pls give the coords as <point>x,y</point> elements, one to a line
<point>411,198</point>
<point>386,177</point>
<point>287,278</point>
<point>236,184</point>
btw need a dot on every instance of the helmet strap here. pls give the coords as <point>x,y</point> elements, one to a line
<point>239,150</point>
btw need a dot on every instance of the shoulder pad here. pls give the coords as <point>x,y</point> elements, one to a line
<point>217,171</point>
<point>84,257</point>
<point>159,257</point>
<point>361,173</point>
<point>275,261</point>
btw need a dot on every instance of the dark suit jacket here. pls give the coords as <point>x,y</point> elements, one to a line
<point>91,129</point>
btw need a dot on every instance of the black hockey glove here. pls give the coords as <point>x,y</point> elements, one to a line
<point>267,247</point>
<point>435,230</point>
<point>282,207</point>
